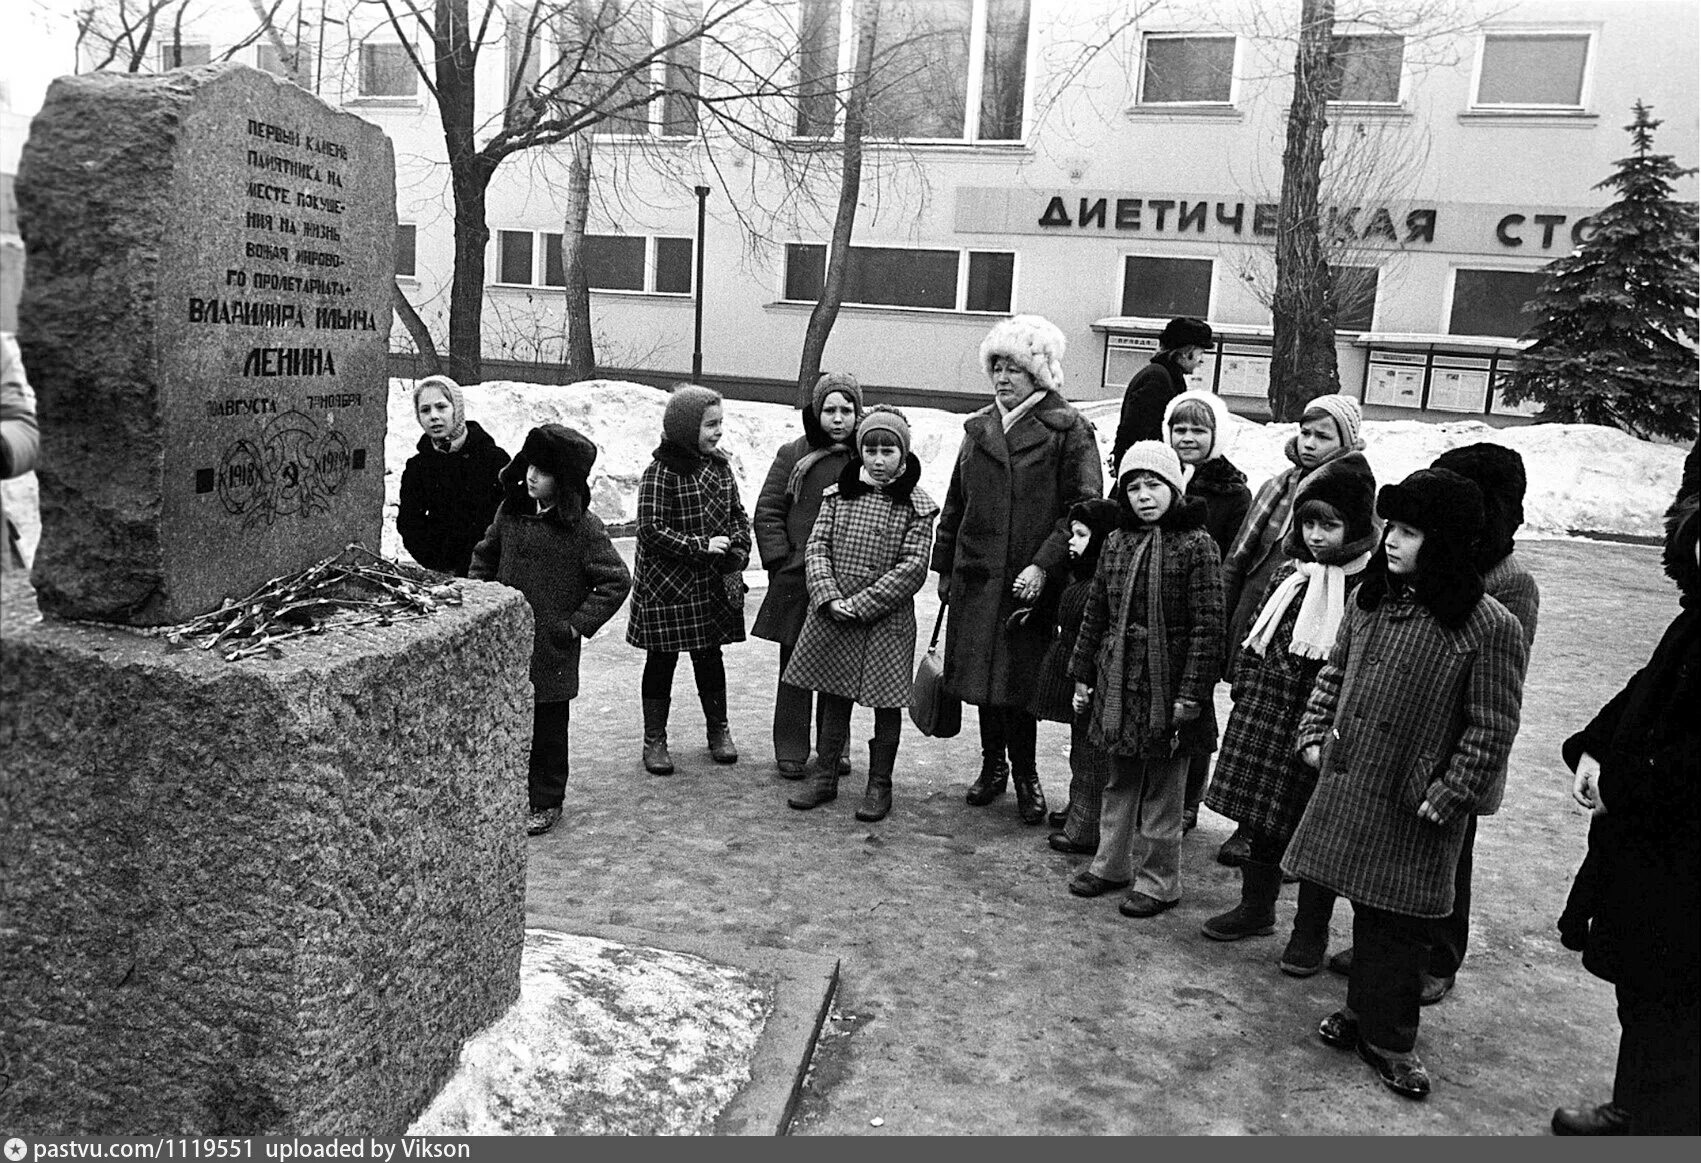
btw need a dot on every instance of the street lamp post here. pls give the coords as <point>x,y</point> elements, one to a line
<point>697,288</point>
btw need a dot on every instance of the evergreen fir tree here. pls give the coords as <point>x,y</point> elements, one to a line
<point>1615,338</point>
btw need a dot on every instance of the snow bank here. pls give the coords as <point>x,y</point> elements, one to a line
<point>1582,477</point>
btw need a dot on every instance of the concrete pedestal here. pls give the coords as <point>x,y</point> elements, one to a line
<point>257,897</point>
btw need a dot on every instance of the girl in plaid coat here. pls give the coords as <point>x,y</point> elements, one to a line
<point>1149,651</point>
<point>866,559</point>
<point>688,590</point>
<point>1260,784</point>
<point>1409,727</point>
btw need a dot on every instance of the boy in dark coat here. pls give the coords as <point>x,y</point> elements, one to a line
<point>449,486</point>
<point>784,514</point>
<point>1181,345</point>
<point>1149,651</point>
<point>1409,726</point>
<point>546,543</point>
<point>1632,911</point>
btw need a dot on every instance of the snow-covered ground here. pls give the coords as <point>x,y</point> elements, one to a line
<point>1582,477</point>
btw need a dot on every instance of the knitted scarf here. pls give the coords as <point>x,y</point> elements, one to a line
<point>808,461</point>
<point>1319,613</point>
<point>1148,560</point>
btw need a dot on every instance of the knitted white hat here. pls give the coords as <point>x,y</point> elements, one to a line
<point>1346,414</point>
<point>1156,457</point>
<point>1221,432</point>
<point>1033,342</point>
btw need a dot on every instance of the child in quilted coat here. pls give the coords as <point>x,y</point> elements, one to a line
<point>865,560</point>
<point>1260,784</point>
<point>546,543</point>
<point>1409,727</point>
<point>1149,651</point>
<point>688,593</point>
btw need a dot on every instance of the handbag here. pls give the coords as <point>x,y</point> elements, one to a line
<point>934,712</point>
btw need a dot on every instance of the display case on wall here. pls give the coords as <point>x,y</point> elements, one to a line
<point>1237,366</point>
<point>1449,374</point>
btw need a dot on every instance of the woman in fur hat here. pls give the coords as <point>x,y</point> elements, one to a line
<point>784,515</point>
<point>1181,345</point>
<point>1260,782</point>
<point>449,486</point>
<point>688,588</point>
<point>1409,726</point>
<point>546,543</point>
<point>1632,910</point>
<point>1024,461</point>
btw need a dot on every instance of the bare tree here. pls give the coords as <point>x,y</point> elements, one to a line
<point>120,33</point>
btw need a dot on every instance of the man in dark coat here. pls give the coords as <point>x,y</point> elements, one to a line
<point>1180,346</point>
<point>449,486</point>
<point>1633,906</point>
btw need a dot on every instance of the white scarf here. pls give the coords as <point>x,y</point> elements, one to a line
<point>1014,414</point>
<point>1319,614</point>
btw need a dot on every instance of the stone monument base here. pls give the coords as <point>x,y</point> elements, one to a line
<point>263,897</point>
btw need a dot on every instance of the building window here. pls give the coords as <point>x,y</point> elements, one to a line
<point>514,257</point>
<point>406,236</point>
<point>1367,70</point>
<point>1355,296</point>
<point>613,262</point>
<point>1187,70</point>
<point>1533,70</point>
<point>1160,288</point>
<point>943,70</point>
<point>884,276</point>
<point>177,55</point>
<point>608,59</point>
<point>387,71</point>
<point>1487,302</point>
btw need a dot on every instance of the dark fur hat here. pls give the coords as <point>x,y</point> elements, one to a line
<point>562,452</point>
<point>1347,486</point>
<point>1499,472</point>
<point>1185,331</point>
<point>1682,530</point>
<point>1448,508</point>
<point>1102,517</point>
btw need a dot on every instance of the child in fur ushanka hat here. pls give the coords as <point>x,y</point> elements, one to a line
<point>1260,783</point>
<point>784,514</point>
<point>1409,726</point>
<point>546,543</point>
<point>688,589</point>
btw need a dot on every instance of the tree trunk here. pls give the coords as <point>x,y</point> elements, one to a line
<point>581,348</point>
<point>826,311</point>
<point>1303,309</point>
<point>417,331</point>
<point>469,178</point>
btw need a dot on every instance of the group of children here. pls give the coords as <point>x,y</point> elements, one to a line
<point>1375,682</point>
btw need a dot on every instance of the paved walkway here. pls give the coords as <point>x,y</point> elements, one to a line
<point>979,997</point>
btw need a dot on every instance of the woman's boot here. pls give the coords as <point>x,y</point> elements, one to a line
<point>656,759</point>
<point>1030,796</point>
<point>822,784</point>
<point>721,747</point>
<point>877,797</point>
<point>1255,915</point>
<point>1310,940</point>
<point>994,778</point>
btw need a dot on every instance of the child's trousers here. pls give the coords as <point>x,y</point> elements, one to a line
<point>1390,951</point>
<point>1089,771</point>
<point>707,668</point>
<point>546,780</point>
<point>835,724</point>
<point>1140,826</point>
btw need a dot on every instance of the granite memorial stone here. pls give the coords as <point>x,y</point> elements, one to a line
<point>206,319</point>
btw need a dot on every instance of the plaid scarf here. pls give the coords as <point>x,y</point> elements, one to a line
<point>1149,560</point>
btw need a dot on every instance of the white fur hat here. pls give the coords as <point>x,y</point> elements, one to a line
<point>1033,342</point>
<point>1221,432</point>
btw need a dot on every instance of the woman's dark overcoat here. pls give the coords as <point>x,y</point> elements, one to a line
<point>449,499</point>
<point>1406,710</point>
<point>571,574</point>
<point>683,597</point>
<point>1259,781</point>
<point>1006,509</point>
<point>782,526</point>
<point>1143,404</point>
<point>869,548</point>
<point>1191,595</point>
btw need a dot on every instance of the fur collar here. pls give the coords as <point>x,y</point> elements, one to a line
<point>852,486</point>
<point>1216,477</point>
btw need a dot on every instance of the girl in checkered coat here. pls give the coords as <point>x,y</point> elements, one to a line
<point>1149,651</point>
<point>688,589</point>
<point>866,558</point>
<point>1260,784</point>
<point>1409,726</point>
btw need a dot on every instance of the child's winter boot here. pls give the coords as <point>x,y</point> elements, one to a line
<point>877,797</point>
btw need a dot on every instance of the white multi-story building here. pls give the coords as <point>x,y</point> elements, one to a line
<point>1055,157</point>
